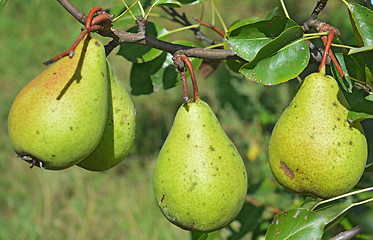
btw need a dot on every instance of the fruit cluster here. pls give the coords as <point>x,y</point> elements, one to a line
<point>75,112</point>
<point>78,113</point>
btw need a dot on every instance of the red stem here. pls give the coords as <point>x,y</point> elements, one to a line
<point>334,59</point>
<point>209,26</point>
<point>91,26</point>
<point>188,63</point>
<point>90,16</point>
<point>70,52</point>
<point>327,48</point>
<point>185,86</point>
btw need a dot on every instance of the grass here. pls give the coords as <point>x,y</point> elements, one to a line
<point>77,204</point>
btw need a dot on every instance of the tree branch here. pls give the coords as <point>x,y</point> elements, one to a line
<point>73,11</point>
<point>141,38</point>
<point>349,234</point>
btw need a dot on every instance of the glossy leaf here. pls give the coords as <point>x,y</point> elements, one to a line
<point>309,203</point>
<point>361,19</point>
<point>138,53</point>
<point>284,65</point>
<point>360,107</point>
<point>362,49</point>
<point>168,3</point>
<point>248,39</point>
<point>331,213</point>
<point>244,22</point>
<point>191,1</point>
<point>351,68</point>
<point>295,224</point>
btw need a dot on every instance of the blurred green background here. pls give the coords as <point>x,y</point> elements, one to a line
<point>119,203</point>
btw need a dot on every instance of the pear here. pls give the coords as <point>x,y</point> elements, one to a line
<point>119,133</point>
<point>59,117</point>
<point>200,180</point>
<point>314,149</point>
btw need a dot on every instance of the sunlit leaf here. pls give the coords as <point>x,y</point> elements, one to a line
<point>361,19</point>
<point>248,39</point>
<point>168,3</point>
<point>191,1</point>
<point>295,224</point>
<point>333,212</point>
<point>362,49</point>
<point>286,64</point>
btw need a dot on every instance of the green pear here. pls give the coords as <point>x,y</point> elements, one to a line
<point>59,117</point>
<point>200,180</point>
<point>313,148</point>
<point>119,133</point>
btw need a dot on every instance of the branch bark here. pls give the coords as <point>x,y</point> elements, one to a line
<point>141,38</point>
<point>349,234</point>
<point>120,37</point>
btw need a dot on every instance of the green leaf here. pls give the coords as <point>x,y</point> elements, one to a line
<point>271,14</point>
<point>141,75</point>
<point>168,3</point>
<point>359,116</point>
<point>284,65</point>
<point>369,167</point>
<point>138,53</point>
<point>333,212</point>
<point>191,1</point>
<point>248,218</point>
<point>349,66</point>
<point>361,19</point>
<point>240,23</point>
<point>2,4</point>
<point>309,203</point>
<point>295,224</point>
<point>360,107</point>
<point>362,49</point>
<point>369,97</point>
<point>247,40</point>
<point>199,236</point>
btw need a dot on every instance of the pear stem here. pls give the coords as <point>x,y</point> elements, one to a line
<point>180,61</point>
<point>188,63</point>
<point>92,25</point>
<point>334,59</point>
<point>327,48</point>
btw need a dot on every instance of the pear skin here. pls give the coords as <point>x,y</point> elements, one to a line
<point>200,180</point>
<point>119,133</point>
<point>58,118</point>
<point>313,148</point>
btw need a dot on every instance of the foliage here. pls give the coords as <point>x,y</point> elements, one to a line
<point>246,94</point>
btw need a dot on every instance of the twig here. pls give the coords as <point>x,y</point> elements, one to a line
<point>209,26</point>
<point>316,11</point>
<point>349,234</point>
<point>183,20</point>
